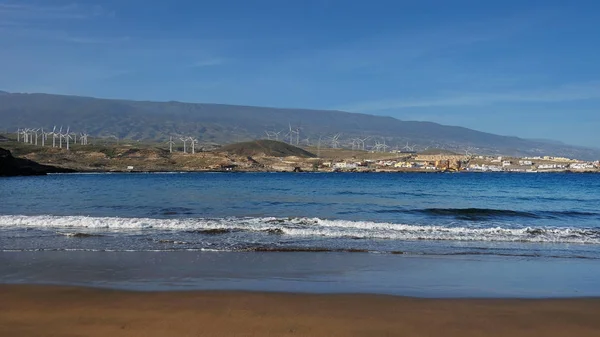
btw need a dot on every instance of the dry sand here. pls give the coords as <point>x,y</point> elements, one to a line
<point>65,311</point>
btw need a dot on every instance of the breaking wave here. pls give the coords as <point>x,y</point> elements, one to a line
<point>307,227</point>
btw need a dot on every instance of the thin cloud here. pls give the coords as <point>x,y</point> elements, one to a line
<point>30,12</point>
<point>570,92</point>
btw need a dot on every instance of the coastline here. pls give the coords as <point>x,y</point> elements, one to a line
<point>36,310</point>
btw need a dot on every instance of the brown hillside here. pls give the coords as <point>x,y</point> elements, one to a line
<point>265,147</point>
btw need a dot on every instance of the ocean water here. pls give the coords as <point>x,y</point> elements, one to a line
<point>311,231</point>
<point>536,215</point>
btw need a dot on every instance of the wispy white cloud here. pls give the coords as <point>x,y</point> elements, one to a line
<point>29,12</point>
<point>565,93</point>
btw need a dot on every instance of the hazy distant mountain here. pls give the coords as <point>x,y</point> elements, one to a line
<point>549,141</point>
<point>230,123</point>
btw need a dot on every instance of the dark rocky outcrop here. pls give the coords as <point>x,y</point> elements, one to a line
<point>11,166</point>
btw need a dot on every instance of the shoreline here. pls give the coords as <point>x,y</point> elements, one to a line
<point>35,310</point>
<point>309,172</point>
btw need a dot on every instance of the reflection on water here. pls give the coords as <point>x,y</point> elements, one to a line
<point>458,276</point>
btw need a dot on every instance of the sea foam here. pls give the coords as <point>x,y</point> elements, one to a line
<point>310,227</point>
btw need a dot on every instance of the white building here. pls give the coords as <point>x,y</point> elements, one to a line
<point>582,166</point>
<point>345,166</point>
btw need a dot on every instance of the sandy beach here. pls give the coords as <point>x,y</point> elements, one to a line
<point>67,311</point>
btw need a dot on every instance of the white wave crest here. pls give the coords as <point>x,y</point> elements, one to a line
<point>311,227</point>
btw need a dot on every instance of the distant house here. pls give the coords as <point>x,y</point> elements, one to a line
<point>345,166</point>
<point>582,166</point>
<point>525,162</point>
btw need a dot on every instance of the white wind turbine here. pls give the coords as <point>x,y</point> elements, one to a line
<point>60,137</point>
<point>171,143</point>
<point>67,136</point>
<point>184,140</point>
<point>290,134</point>
<point>363,140</point>
<point>54,134</point>
<point>193,141</point>
<point>36,133</point>
<point>25,133</point>
<point>44,135</point>
<point>334,141</point>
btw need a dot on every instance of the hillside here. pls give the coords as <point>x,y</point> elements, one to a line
<point>264,147</point>
<point>435,152</point>
<point>225,124</point>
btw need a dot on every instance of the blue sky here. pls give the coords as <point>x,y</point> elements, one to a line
<point>523,68</point>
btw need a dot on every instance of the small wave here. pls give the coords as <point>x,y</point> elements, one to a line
<point>571,214</point>
<point>173,211</point>
<point>310,227</point>
<point>175,242</point>
<point>270,249</point>
<point>81,235</point>
<point>478,212</point>
<point>483,213</point>
<point>355,193</point>
<point>214,231</point>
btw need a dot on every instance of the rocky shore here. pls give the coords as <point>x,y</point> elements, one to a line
<point>11,166</point>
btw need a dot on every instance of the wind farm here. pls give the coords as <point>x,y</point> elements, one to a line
<point>192,137</point>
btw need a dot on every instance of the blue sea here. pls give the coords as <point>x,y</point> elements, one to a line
<point>385,233</point>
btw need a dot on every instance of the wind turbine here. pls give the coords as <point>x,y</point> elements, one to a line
<point>171,143</point>
<point>35,131</point>
<point>297,136</point>
<point>44,135</point>
<point>363,140</point>
<point>67,137</point>
<point>193,141</point>
<point>60,137</point>
<point>25,133</point>
<point>184,140</point>
<point>319,147</point>
<point>290,134</point>
<point>18,135</point>
<point>83,138</point>
<point>53,133</point>
<point>354,142</point>
<point>334,141</point>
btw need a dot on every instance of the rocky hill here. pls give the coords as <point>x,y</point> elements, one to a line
<point>11,166</point>
<point>269,148</point>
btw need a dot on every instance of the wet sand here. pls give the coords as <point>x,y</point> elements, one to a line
<point>67,311</point>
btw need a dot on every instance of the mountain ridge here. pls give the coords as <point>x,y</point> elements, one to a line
<point>225,123</point>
